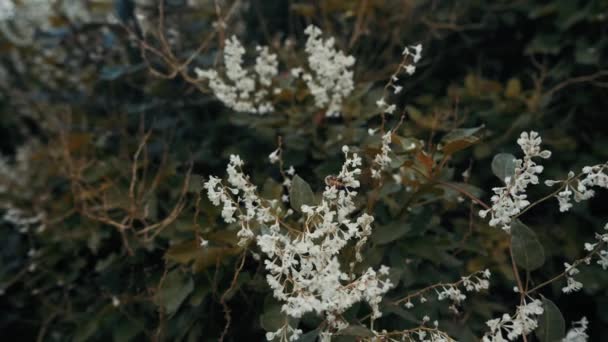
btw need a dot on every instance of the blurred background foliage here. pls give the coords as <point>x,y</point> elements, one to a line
<point>111,140</point>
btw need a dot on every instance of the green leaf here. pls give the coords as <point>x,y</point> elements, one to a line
<point>390,308</point>
<point>586,54</point>
<point>126,330</point>
<point>503,165</point>
<point>452,193</point>
<point>551,325</point>
<point>389,233</point>
<point>544,44</point>
<point>186,252</point>
<point>272,189</point>
<point>196,184</point>
<point>356,330</point>
<point>300,193</point>
<point>200,292</point>
<point>528,252</point>
<point>459,139</point>
<point>460,133</point>
<point>183,252</point>
<point>86,330</point>
<point>272,318</point>
<point>174,289</point>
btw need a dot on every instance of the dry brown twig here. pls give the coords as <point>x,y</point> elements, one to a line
<point>173,63</point>
<point>91,200</point>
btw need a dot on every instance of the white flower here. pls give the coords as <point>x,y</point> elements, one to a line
<point>593,176</point>
<point>415,52</point>
<point>390,109</point>
<point>382,159</point>
<point>274,156</point>
<point>563,197</point>
<point>510,200</point>
<point>7,9</point>
<point>266,66</point>
<point>330,79</point>
<point>27,17</point>
<point>572,285</point>
<point>522,323</point>
<point>303,269</point>
<point>590,246</point>
<point>578,332</point>
<point>243,91</point>
<point>286,333</point>
<point>296,72</point>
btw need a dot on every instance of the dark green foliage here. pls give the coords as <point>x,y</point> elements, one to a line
<point>490,70</point>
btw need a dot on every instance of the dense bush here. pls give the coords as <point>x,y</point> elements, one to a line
<point>373,144</point>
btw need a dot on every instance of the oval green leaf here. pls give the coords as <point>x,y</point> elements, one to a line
<point>528,252</point>
<point>300,193</point>
<point>356,330</point>
<point>551,325</point>
<point>503,165</point>
<point>175,288</point>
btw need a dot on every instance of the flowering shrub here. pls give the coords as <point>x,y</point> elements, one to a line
<point>386,188</point>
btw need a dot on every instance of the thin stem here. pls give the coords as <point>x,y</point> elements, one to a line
<point>574,264</point>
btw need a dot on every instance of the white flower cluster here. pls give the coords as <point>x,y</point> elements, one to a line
<point>25,9</point>
<point>15,179</point>
<point>329,79</point>
<point>23,221</point>
<point>385,107</point>
<point>382,160</point>
<point>603,253</point>
<point>578,332</point>
<point>7,9</point>
<point>240,195</point>
<point>572,285</point>
<point>303,267</point>
<point>475,282</point>
<point>288,176</point>
<point>243,90</point>
<point>284,333</point>
<point>274,156</point>
<point>510,200</point>
<point>14,174</point>
<point>415,52</point>
<point>523,322</point>
<point>305,271</point>
<point>328,76</point>
<point>411,55</point>
<point>592,176</point>
<point>597,249</point>
<point>25,16</point>
<point>420,334</point>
